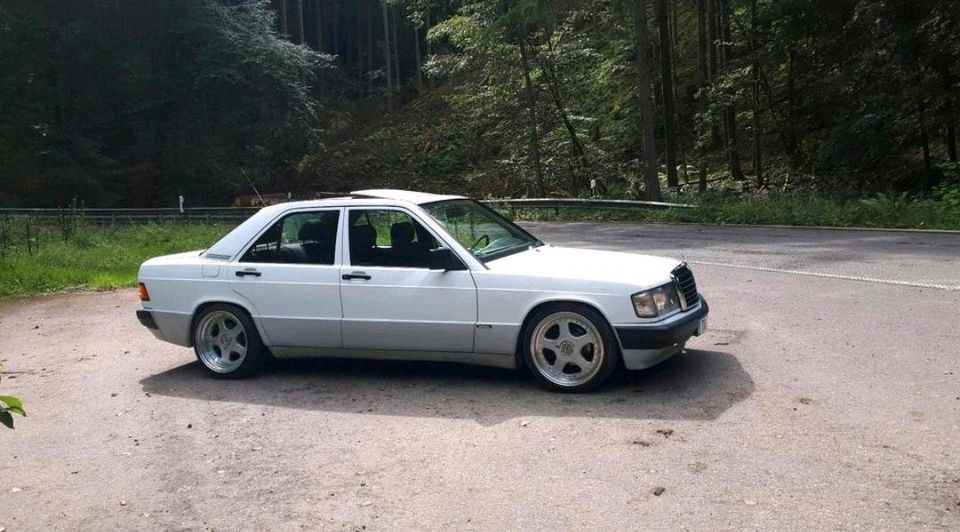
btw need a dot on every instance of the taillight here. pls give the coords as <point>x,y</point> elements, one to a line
<point>142,289</point>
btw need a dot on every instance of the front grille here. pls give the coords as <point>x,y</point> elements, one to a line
<point>686,285</point>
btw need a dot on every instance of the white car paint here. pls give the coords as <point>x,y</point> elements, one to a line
<point>475,315</point>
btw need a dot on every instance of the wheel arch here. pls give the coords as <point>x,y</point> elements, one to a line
<point>520,360</point>
<point>203,305</point>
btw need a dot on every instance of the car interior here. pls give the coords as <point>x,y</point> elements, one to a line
<point>410,243</point>
<point>315,242</point>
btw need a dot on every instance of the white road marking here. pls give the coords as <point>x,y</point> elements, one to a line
<point>949,288</point>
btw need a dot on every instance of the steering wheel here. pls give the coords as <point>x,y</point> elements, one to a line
<point>476,244</point>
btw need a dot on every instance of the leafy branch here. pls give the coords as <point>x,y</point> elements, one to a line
<point>9,405</point>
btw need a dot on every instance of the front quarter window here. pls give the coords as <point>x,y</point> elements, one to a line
<point>484,232</point>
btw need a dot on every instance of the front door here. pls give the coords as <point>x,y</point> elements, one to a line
<point>391,299</point>
<point>291,275</point>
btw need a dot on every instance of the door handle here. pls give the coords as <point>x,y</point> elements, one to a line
<point>244,273</point>
<point>355,275</point>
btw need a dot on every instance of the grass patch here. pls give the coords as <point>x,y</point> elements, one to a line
<point>93,257</point>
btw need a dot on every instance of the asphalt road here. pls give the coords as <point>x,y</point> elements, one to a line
<point>825,396</point>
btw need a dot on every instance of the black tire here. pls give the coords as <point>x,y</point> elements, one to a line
<point>611,349</point>
<point>256,357</point>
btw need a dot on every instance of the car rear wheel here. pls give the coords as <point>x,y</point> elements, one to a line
<point>569,348</point>
<point>227,342</point>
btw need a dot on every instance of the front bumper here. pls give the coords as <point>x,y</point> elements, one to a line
<point>644,346</point>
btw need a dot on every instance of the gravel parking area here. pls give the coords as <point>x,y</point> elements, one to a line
<point>825,396</point>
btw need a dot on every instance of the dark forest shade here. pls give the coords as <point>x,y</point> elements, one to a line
<point>135,103</point>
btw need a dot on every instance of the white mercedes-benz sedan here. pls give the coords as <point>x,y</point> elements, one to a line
<point>392,274</point>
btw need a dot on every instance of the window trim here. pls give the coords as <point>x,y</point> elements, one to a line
<point>337,254</point>
<point>345,236</point>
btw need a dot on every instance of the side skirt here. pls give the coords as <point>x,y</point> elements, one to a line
<point>507,361</point>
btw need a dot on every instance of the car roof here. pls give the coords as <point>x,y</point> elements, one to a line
<point>402,195</point>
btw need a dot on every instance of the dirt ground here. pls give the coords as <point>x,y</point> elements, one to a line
<point>813,403</point>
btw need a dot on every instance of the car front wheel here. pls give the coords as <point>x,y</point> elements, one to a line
<point>227,343</point>
<point>569,348</point>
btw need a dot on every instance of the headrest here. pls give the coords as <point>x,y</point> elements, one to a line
<point>423,236</point>
<point>314,231</point>
<point>363,236</point>
<point>401,233</point>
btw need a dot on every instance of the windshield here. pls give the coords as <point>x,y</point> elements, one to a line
<point>480,229</point>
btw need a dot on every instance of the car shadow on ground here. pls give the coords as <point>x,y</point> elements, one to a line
<point>694,385</point>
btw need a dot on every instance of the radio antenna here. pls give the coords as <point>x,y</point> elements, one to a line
<point>257,192</point>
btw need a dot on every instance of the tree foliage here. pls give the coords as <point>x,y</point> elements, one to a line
<point>133,103</point>
<point>136,102</point>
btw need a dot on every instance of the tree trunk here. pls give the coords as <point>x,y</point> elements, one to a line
<point>703,73</point>
<point>283,10</point>
<point>386,53</point>
<point>298,21</point>
<point>534,123</point>
<point>579,152</point>
<point>729,112</point>
<point>791,103</point>
<point>416,51</point>
<point>951,140</point>
<point>369,68</point>
<point>669,104</point>
<point>757,132</point>
<point>701,42</point>
<point>396,47</point>
<point>359,38</point>
<point>924,138</point>
<point>336,27</point>
<point>713,36</point>
<point>318,23</point>
<point>647,109</point>
<point>427,39</point>
<point>950,119</point>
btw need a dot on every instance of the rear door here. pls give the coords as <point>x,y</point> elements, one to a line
<point>291,274</point>
<point>391,299</point>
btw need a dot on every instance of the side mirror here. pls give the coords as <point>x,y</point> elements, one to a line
<point>444,259</point>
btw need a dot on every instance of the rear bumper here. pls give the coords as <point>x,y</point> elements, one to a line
<point>146,319</point>
<point>172,327</point>
<point>644,346</point>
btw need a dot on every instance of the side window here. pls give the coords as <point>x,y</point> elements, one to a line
<point>299,238</point>
<point>381,237</point>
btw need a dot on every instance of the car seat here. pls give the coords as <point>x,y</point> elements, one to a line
<point>403,251</point>
<point>363,246</point>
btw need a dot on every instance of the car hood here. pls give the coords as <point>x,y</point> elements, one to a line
<point>588,265</point>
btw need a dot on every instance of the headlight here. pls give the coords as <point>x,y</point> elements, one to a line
<point>659,301</point>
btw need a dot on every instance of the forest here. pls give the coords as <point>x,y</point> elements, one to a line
<point>131,104</point>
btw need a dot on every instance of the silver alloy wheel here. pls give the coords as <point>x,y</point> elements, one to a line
<point>567,349</point>
<point>221,341</point>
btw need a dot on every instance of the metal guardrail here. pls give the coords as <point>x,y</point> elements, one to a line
<point>189,214</point>
<point>238,214</point>
<point>586,203</point>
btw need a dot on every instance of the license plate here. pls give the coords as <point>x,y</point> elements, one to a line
<point>702,326</point>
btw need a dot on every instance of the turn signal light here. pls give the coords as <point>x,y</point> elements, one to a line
<point>142,290</point>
